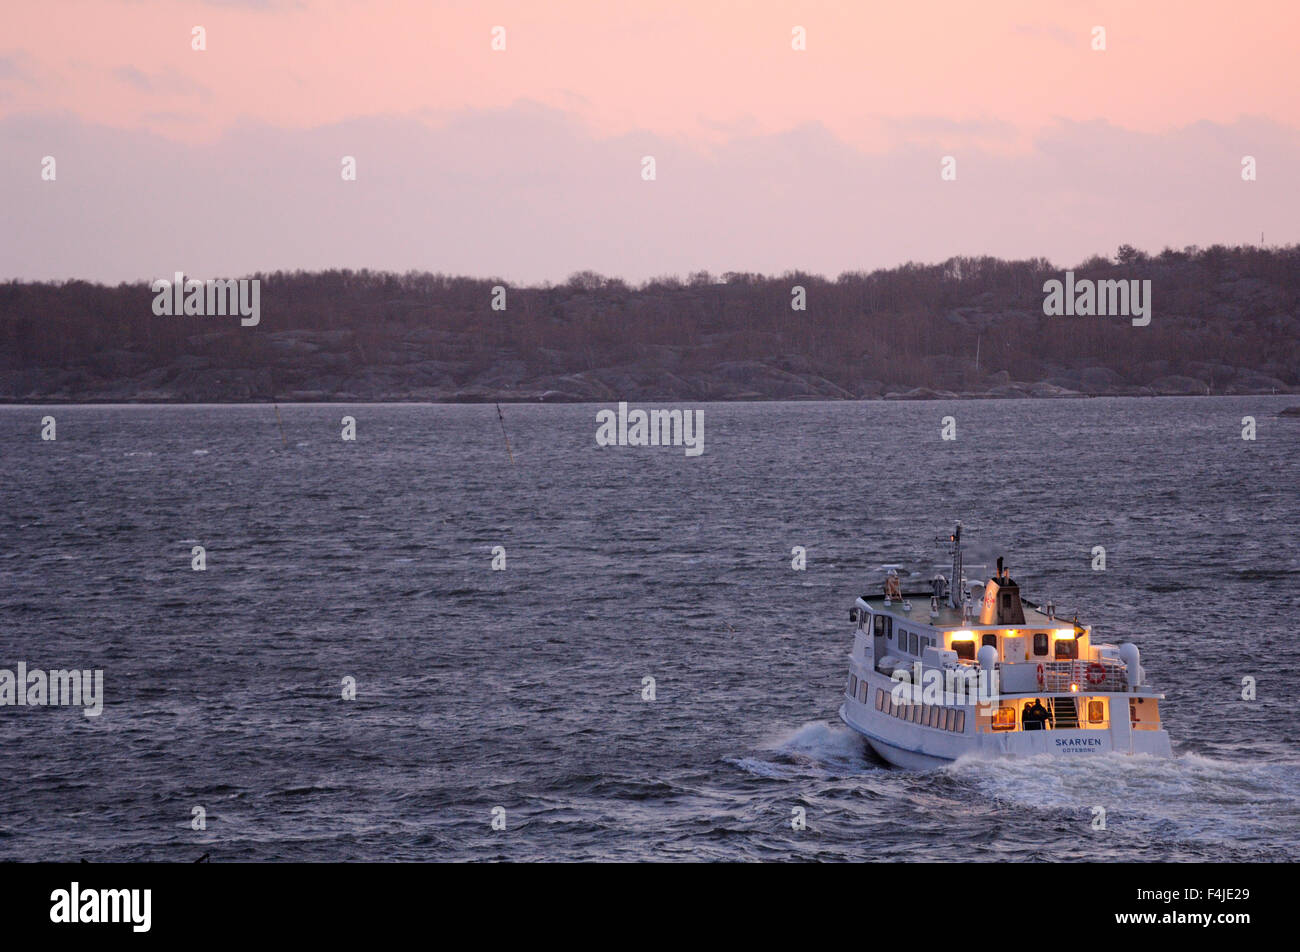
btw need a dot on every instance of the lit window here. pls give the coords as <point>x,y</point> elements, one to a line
<point>1005,719</point>
<point>1040,644</point>
<point>961,722</point>
<point>1096,712</point>
<point>863,688</point>
<point>880,699</point>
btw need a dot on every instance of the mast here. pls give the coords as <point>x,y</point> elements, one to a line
<point>956,588</point>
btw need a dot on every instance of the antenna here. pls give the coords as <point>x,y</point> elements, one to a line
<point>956,590</point>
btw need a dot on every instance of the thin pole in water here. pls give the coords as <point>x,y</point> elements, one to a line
<point>505,434</point>
<point>281,424</point>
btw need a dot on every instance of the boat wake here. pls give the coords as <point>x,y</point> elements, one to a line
<point>817,748</point>
<point>1191,797</point>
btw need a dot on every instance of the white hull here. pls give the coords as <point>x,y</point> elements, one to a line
<point>918,747</point>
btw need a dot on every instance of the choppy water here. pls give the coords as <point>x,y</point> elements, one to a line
<point>522,688</point>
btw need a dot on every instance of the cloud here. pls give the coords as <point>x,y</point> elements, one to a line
<point>13,68</point>
<point>165,83</point>
<point>533,193</point>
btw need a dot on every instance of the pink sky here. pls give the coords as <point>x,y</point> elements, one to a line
<point>1147,134</point>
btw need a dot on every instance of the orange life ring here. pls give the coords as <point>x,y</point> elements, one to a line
<point>1096,673</point>
<point>1042,675</point>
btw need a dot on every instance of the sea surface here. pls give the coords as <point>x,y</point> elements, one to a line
<point>523,688</point>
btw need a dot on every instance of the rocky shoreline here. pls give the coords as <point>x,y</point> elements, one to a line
<point>308,371</point>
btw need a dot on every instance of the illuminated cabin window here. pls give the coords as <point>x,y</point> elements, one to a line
<point>1067,648</point>
<point>880,626</point>
<point>913,712</point>
<point>949,718</point>
<point>965,648</point>
<point>990,639</point>
<point>863,688</point>
<point>1040,644</point>
<point>1005,719</point>
<point>880,699</point>
<point>1096,712</point>
<point>961,722</point>
<point>936,715</point>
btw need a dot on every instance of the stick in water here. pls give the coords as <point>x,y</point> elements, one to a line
<point>281,423</point>
<point>505,434</point>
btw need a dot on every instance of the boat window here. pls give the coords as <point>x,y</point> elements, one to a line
<point>913,712</point>
<point>1067,648</point>
<point>1096,712</point>
<point>863,690</point>
<point>1005,719</point>
<point>853,685</point>
<point>1040,643</point>
<point>949,718</point>
<point>935,714</point>
<point>880,625</point>
<point>911,641</point>
<point>880,699</point>
<point>965,649</point>
<point>990,639</point>
<point>961,722</point>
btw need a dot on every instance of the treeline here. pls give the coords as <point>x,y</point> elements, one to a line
<point>1218,313</point>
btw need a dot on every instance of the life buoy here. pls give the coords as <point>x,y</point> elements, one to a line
<point>1042,675</point>
<point>1096,673</point>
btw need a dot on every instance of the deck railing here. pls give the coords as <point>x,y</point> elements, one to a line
<point>1083,676</point>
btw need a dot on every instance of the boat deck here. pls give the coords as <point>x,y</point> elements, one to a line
<point>951,617</point>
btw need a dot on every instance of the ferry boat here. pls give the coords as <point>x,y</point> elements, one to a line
<point>959,669</point>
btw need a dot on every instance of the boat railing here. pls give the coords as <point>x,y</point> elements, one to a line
<point>1076,675</point>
